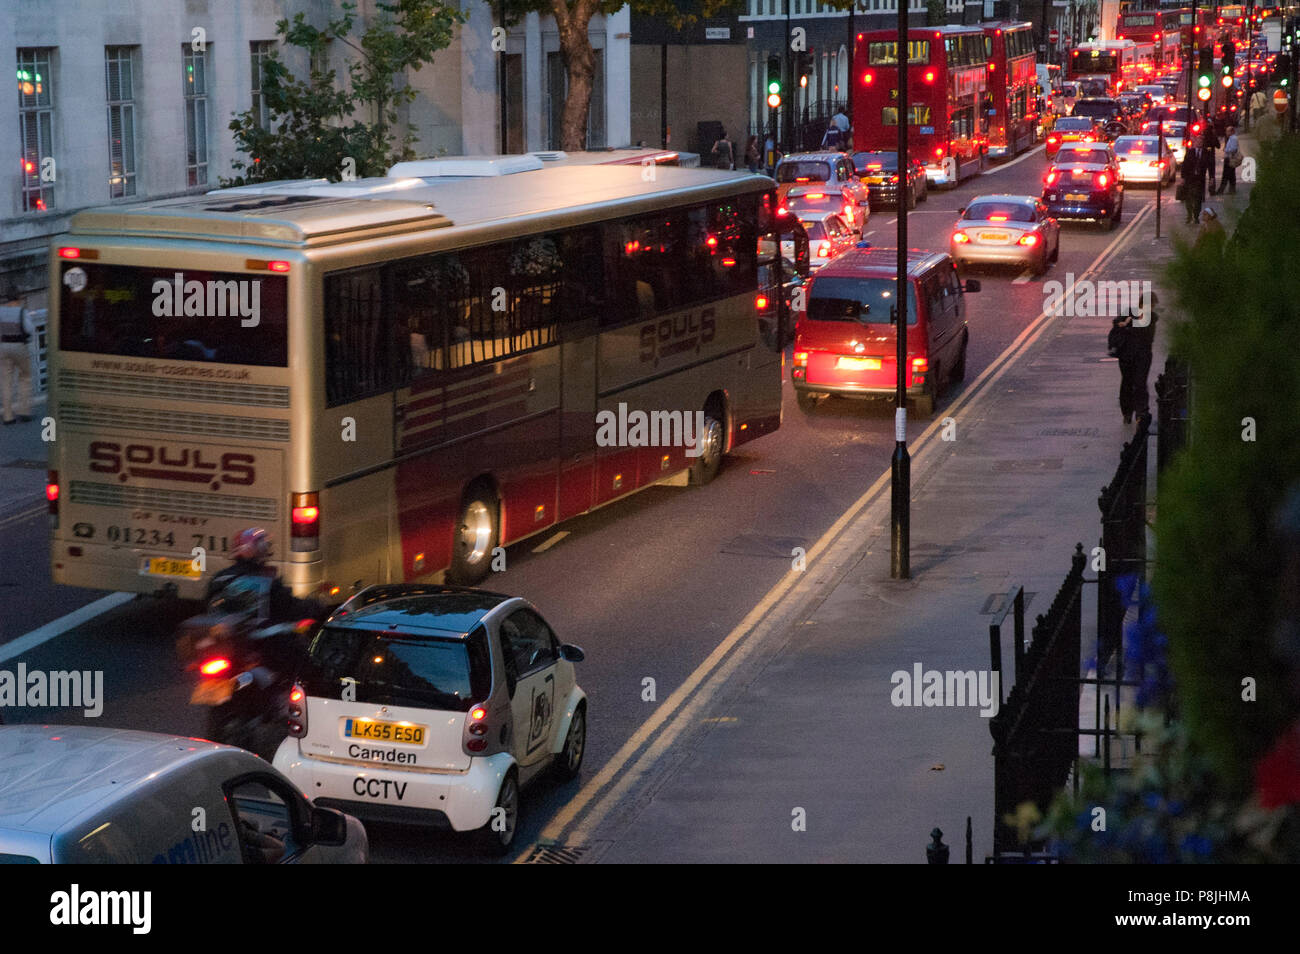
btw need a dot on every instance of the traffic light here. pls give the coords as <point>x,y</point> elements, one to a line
<point>803,68</point>
<point>1205,75</point>
<point>774,81</point>
<point>1282,68</point>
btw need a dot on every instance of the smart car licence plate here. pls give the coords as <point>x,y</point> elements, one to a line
<point>402,733</point>
<point>164,566</point>
<point>857,364</point>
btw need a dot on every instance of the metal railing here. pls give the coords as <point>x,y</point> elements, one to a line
<point>1123,504</point>
<point>1035,738</point>
<point>1173,404</point>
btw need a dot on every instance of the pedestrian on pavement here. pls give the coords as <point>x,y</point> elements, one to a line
<point>1131,339</point>
<point>16,330</point>
<point>1211,143</point>
<point>1193,173</point>
<point>753,160</point>
<point>772,154</point>
<point>1231,160</point>
<point>724,153</point>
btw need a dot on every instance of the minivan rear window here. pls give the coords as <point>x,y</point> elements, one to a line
<point>864,300</point>
<point>399,669</point>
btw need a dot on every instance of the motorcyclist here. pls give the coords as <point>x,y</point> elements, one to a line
<point>251,550</point>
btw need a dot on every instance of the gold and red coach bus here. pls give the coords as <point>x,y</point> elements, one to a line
<point>397,376</point>
<point>947,125</point>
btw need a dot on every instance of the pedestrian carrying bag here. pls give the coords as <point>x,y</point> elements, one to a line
<point>1113,341</point>
<point>1234,158</point>
<point>1180,193</point>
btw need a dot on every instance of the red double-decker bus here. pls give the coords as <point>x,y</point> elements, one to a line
<point>1231,19</point>
<point>1157,27</point>
<point>1192,29</point>
<point>1012,87</point>
<point>947,98</point>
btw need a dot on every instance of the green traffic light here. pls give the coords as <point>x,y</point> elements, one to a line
<point>1203,80</point>
<point>774,87</point>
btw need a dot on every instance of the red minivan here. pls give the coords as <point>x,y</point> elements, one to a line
<point>844,338</point>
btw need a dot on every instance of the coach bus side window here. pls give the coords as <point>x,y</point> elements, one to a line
<point>358,337</point>
<point>426,292</point>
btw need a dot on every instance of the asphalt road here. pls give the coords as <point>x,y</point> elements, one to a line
<point>647,587</point>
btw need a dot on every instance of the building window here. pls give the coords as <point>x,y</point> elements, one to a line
<point>120,83</point>
<point>194,87</point>
<point>260,51</point>
<point>35,127</point>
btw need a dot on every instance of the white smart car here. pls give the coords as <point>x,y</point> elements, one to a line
<point>434,705</point>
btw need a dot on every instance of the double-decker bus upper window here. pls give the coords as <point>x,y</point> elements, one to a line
<point>177,315</point>
<point>886,54</point>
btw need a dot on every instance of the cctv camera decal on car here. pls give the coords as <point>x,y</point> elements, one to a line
<point>543,705</point>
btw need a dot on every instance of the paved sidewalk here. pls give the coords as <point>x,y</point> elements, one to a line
<point>810,725</point>
<point>23,460</point>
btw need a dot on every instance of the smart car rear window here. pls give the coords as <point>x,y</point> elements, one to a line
<point>398,669</point>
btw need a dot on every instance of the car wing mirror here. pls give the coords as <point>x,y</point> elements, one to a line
<point>572,653</point>
<point>971,285</point>
<point>329,827</point>
<point>962,210</point>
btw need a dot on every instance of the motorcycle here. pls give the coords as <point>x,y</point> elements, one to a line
<point>244,664</point>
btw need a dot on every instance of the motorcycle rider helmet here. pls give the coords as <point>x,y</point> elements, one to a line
<point>252,544</point>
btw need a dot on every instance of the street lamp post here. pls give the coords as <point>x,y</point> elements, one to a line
<point>901,467</point>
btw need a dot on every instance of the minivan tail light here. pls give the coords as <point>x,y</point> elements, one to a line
<point>297,712</point>
<point>305,535</point>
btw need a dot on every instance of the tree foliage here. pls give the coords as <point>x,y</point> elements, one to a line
<point>311,131</point>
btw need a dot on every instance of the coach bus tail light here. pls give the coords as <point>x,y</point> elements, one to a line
<point>306,522</point>
<point>52,496</point>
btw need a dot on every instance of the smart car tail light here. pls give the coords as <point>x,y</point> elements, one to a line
<point>297,712</point>
<point>215,667</point>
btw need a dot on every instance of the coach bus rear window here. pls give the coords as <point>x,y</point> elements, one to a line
<point>175,314</point>
<point>886,54</point>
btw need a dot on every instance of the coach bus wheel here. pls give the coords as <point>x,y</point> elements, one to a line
<point>706,465</point>
<point>475,538</point>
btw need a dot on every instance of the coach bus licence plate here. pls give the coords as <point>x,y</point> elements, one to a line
<point>384,731</point>
<point>164,566</point>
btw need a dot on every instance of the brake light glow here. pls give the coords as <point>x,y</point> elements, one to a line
<point>215,667</point>
<point>1102,180</point>
<point>960,237</point>
<point>824,250</point>
<point>478,714</point>
<point>801,357</point>
<point>1029,241</point>
<point>938,151</point>
<point>868,79</point>
<point>305,531</point>
<point>52,495</point>
<point>810,195</point>
<point>929,76</point>
<point>1052,176</point>
<point>920,365</point>
<point>998,218</point>
<point>761,302</point>
<point>87,253</point>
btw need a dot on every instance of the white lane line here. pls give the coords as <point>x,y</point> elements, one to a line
<point>994,170</point>
<point>61,625</point>
<point>592,794</point>
<point>1024,276</point>
<point>21,516</point>
<point>550,542</point>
